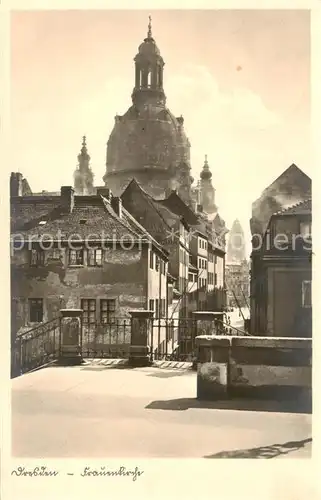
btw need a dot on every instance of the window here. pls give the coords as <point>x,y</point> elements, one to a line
<point>35,310</point>
<point>76,257</point>
<point>306,294</point>
<point>305,229</point>
<point>89,310</point>
<point>162,308</point>
<point>56,253</point>
<point>95,257</point>
<point>211,257</point>
<point>190,277</point>
<point>199,263</point>
<point>157,263</point>
<point>37,257</point>
<point>205,264</point>
<point>107,311</point>
<point>190,258</point>
<point>151,260</point>
<point>151,304</point>
<point>156,309</point>
<point>215,279</point>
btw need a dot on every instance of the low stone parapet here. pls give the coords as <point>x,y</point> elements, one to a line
<point>254,367</point>
<point>269,367</point>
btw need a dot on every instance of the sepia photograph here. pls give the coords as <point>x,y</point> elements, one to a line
<point>161,235</point>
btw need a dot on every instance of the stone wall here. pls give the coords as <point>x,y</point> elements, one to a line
<point>255,367</point>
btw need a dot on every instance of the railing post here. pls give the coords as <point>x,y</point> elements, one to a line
<point>141,328</point>
<point>70,334</point>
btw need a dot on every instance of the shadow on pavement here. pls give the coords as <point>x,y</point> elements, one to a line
<point>272,451</point>
<point>229,404</point>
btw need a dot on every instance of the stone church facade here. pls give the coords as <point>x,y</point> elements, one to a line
<point>148,142</point>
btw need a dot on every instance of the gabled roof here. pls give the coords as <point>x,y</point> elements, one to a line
<point>302,208</point>
<point>156,218</point>
<point>293,173</point>
<point>92,217</point>
<point>179,207</point>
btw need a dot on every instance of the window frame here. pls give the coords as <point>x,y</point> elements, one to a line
<point>110,312</point>
<point>87,311</point>
<point>95,261</point>
<point>81,251</point>
<point>151,260</point>
<point>304,292</point>
<point>40,301</point>
<point>40,257</point>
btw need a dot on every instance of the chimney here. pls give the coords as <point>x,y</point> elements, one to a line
<point>15,184</point>
<point>117,205</point>
<point>105,192</point>
<point>67,199</point>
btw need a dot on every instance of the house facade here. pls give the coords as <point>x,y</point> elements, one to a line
<point>83,252</point>
<point>281,267</point>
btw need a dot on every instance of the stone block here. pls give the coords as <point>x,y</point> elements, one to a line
<point>212,367</point>
<point>271,368</point>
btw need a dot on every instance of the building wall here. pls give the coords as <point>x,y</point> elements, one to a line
<point>286,317</point>
<point>157,283</point>
<point>123,277</point>
<point>220,270</point>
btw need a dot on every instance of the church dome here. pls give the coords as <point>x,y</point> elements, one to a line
<point>148,142</point>
<point>150,137</point>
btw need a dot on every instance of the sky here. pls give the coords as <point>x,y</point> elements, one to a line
<point>241,79</point>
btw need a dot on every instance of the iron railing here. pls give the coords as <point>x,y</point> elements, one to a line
<point>174,339</point>
<point>36,347</point>
<point>106,340</point>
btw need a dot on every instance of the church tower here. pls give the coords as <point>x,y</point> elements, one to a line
<point>149,68</point>
<point>207,191</point>
<point>83,176</point>
<point>148,142</point>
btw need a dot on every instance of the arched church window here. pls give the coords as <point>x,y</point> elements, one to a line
<point>149,78</point>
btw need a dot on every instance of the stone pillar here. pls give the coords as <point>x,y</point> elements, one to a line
<point>70,337</point>
<point>141,326</point>
<point>212,367</point>
<point>209,322</point>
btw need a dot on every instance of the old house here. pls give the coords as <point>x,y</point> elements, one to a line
<point>169,229</point>
<point>281,269</point>
<point>83,252</point>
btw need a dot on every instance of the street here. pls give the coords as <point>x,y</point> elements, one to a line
<point>101,411</point>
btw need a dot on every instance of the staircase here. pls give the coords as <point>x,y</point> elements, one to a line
<point>35,348</point>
